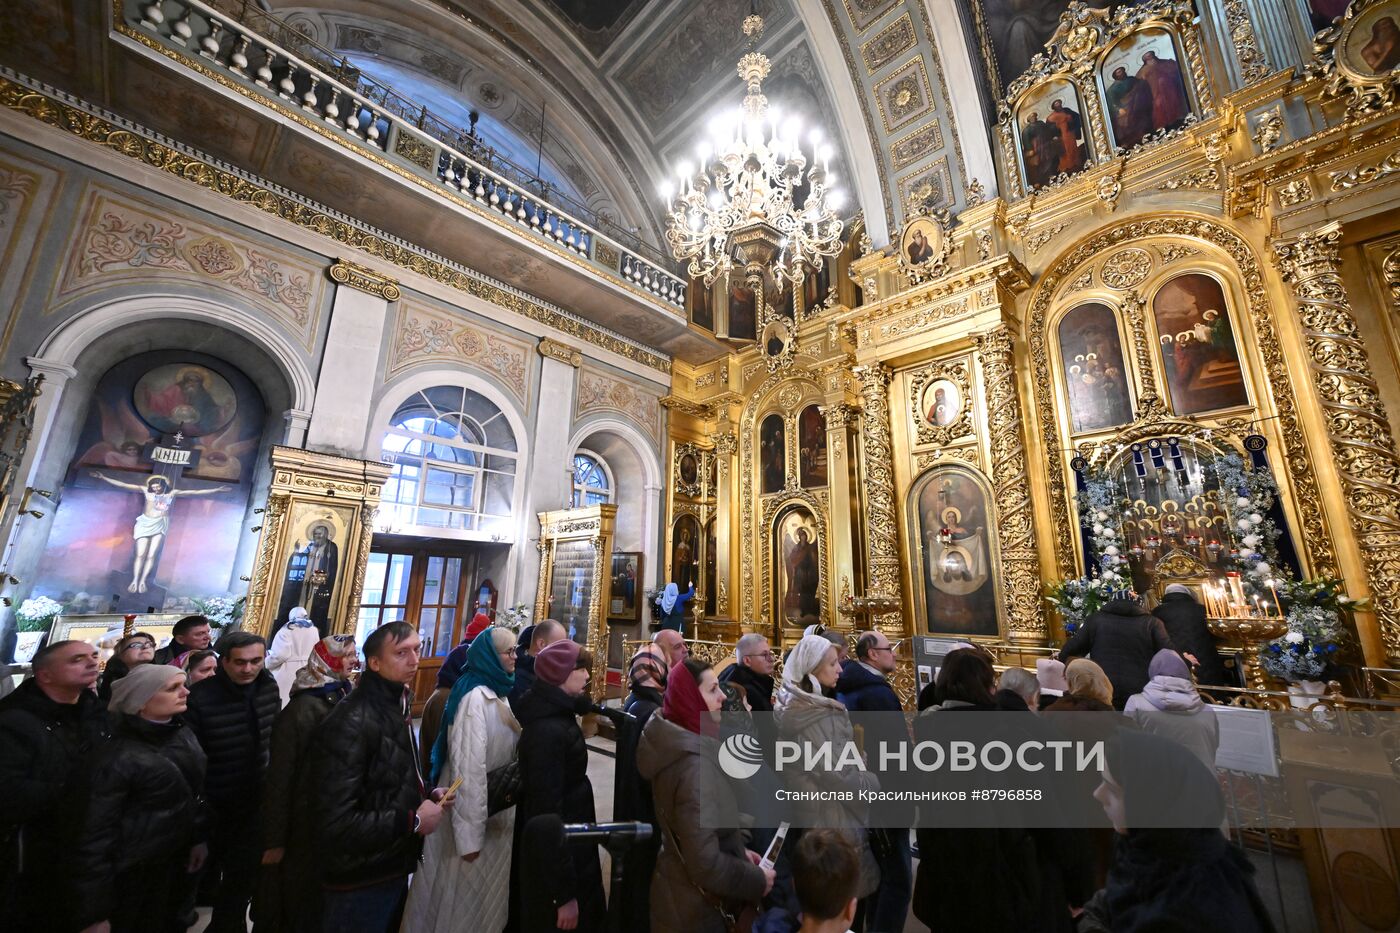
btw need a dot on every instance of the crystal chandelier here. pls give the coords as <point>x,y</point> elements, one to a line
<point>740,203</point>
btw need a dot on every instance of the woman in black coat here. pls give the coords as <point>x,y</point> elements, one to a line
<point>561,888</point>
<point>142,828</point>
<point>1173,869</point>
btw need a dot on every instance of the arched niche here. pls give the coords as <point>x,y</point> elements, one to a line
<point>91,413</point>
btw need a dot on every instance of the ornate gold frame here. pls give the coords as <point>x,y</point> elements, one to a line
<point>1363,93</point>
<point>301,479</point>
<point>958,371</point>
<point>816,503</point>
<point>594,524</point>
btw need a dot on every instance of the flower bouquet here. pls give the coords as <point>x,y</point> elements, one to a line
<point>33,619</point>
<point>1308,651</point>
<point>221,611</point>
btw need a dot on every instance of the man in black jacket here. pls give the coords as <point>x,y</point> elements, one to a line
<point>541,635</point>
<point>231,714</point>
<point>1185,621</point>
<point>753,670</point>
<point>50,727</point>
<point>1121,638</point>
<point>189,634</point>
<point>374,807</point>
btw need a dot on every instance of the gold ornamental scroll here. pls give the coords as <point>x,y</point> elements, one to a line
<point>313,545</point>
<point>1357,428</point>
<point>882,532</point>
<point>1020,561</point>
<point>575,557</point>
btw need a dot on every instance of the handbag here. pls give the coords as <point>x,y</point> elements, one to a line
<point>505,785</point>
<point>740,920</point>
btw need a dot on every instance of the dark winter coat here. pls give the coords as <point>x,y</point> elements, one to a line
<point>365,769</point>
<point>632,801</point>
<point>758,688</point>
<point>46,750</point>
<point>144,815</point>
<point>524,678</point>
<point>234,726</point>
<point>1185,622</point>
<point>287,818</point>
<point>691,794</point>
<point>1121,638</point>
<point>861,690</point>
<point>554,768</point>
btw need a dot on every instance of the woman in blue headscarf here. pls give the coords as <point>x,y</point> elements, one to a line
<point>464,884</point>
<point>672,602</point>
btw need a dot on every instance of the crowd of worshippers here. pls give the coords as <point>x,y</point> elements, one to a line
<point>191,777</point>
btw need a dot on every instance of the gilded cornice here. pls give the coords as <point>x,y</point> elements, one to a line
<point>960,293</point>
<point>353,275</point>
<point>49,109</point>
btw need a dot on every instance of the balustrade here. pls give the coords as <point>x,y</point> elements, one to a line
<point>250,46</point>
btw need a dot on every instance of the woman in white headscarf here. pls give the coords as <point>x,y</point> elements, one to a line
<point>804,714</point>
<point>672,602</point>
<point>291,646</point>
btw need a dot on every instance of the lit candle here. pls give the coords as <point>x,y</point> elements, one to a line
<point>1278,606</point>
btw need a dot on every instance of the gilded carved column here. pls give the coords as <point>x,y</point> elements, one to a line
<point>1357,427</point>
<point>882,532</point>
<point>1020,561</point>
<point>839,419</point>
<point>725,446</point>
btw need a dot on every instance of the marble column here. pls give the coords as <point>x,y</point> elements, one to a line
<point>1022,602</point>
<point>1358,431</point>
<point>353,346</point>
<point>548,484</point>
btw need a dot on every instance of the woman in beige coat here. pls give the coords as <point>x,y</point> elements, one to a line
<point>701,871</point>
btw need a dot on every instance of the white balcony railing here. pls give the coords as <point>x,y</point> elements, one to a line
<point>250,47</point>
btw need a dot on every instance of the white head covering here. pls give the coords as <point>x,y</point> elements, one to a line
<point>809,653</point>
<point>1181,588</point>
<point>298,617</point>
<point>669,597</point>
<point>135,690</point>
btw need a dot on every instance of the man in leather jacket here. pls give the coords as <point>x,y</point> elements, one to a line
<point>374,807</point>
<point>50,727</point>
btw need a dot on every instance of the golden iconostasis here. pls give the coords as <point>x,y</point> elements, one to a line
<point>1157,292</point>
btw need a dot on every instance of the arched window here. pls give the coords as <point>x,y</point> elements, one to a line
<point>454,457</point>
<point>592,485</point>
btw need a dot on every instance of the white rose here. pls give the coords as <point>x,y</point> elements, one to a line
<point>1251,540</point>
<point>1109,532</point>
<point>1077,602</point>
<point>1111,550</point>
<point>1255,518</point>
<point>1098,529</point>
<point>1243,502</point>
<point>1244,524</point>
<point>1294,638</point>
<point>1262,568</point>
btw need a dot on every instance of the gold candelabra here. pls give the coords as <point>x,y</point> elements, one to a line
<point>1245,623</point>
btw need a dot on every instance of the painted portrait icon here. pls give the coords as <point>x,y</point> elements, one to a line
<point>1372,43</point>
<point>685,552</point>
<point>922,242</point>
<point>952,520</point>
<point>795,536</point>
<point>190,399</point>
<point>1096,381</point>
<point>1144,87</point>
<point>811,447</point>
<point>690,471</point>
<point>1053,134</point>
<point>1199,354</point>
<point>772,454</point>
<point>942,403</point>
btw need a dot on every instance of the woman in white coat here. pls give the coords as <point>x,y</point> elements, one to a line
<point>464,884</point>
<point>291,646</point>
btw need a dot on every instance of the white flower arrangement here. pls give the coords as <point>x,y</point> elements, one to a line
<point>516,617</point>
<point>37,613</point>
<point>221,611</point>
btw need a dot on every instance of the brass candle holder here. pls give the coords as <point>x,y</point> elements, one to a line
<point>1249,633</point>
<point>860,611</point>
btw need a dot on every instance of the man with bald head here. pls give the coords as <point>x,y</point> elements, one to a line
<point>672,645</point>
<point>541,635</point>
<point>49,728</point>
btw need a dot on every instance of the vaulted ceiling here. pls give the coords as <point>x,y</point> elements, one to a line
<point>604,97</point>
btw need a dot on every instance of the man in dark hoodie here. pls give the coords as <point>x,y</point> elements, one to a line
<point>753,670</point>
<point>541,635</point>
<point>375,806</point>
<point>231,715</point>
<point>50,726</point>
<point>864,687</point>
<point>1121,638</point>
